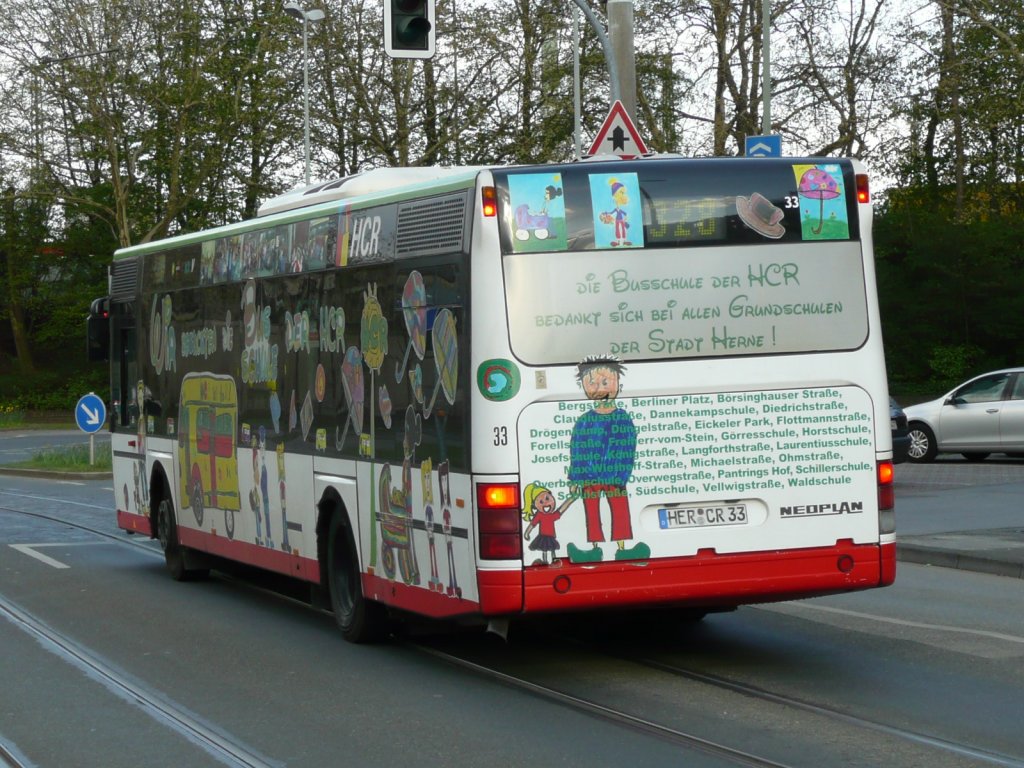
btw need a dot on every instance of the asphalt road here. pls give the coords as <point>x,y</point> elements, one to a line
<point>105,661</point>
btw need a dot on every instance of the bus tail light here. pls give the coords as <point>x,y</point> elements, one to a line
<point>863,190</point>
<point>886,497</point>
<point>498,513</point>
<point>489,200</point>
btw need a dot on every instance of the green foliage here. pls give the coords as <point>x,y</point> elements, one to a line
<point>952,363</point>
<point>11,416</point>
<point>950,291</point>
<point>51,390</point>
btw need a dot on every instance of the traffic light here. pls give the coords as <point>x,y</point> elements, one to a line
<point>97,330</point>
<point>409,29</point>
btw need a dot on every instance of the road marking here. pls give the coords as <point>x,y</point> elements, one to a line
<point>37,497</point>
<point>30,550</point>
<point>901,622</point>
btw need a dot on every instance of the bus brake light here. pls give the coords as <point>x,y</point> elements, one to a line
<point>886,494</point>
<point>499,523</point>
<point>490,202</point>
<point>863,190</point>
<point>497,496</point>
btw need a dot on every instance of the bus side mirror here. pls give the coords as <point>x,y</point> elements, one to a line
<point>97,331</point>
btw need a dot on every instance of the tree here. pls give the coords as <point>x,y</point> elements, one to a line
<point>23,225</point>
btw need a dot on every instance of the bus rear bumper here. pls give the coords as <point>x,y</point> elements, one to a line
<point>709,579</point>
<point>134,523</point>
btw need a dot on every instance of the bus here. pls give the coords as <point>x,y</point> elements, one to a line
<point>480,394</point>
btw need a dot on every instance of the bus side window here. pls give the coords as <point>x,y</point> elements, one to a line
<point>129,374</point>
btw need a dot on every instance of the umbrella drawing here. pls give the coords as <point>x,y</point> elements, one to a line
<point>446,357</point>
<point>414,302</point>
<point>819,185</point>
<point>354,389</point>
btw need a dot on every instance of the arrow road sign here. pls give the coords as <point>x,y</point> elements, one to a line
<point>90,413</point>
<point>618,136</point>
<point>764,146</point>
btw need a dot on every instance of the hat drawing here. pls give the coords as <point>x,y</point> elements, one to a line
<point>761,215</point>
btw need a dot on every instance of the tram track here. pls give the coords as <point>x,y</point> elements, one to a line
<point>961,750</point>
<point>589,706</point>
<point>608,714</point>
<point>957,752</point>
<point>182,724</point>
<point>194,729</point>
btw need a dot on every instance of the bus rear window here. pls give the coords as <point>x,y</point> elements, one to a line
<point>655,204</point>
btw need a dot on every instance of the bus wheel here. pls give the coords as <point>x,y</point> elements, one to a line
<point>174,554</point>
<point>360,620</point>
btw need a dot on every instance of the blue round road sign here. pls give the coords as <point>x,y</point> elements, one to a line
<point>90,413</point>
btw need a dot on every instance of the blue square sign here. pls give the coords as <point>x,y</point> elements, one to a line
<point>764,146</point>
<point>90,413</point>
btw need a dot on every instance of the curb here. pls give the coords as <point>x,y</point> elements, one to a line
<point>49,474</point>
<point>947,558</point>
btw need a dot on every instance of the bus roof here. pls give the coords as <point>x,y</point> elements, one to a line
<point>373,187</point>
<point>365,183</point>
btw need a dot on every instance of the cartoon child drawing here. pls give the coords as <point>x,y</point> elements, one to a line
<point>255,503</point>
<point>539,509</point>
<point>454,590</point>
<point>428,513</point>
<point>602,451</point>
<point>618,214</point>
<point>264,481</point>
<point>282,486</point>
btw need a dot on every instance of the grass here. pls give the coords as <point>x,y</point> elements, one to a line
<point>10,417</point>
<point>73,458</point>
<point>66,459</point>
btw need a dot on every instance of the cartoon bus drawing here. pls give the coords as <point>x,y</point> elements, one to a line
<point>207,442</point>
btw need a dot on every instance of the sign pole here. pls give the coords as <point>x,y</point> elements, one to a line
<point>90,414</point>
<point>766,39</point>
<point>620,33</point>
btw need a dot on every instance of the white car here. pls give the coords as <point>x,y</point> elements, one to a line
<point>981,416</point>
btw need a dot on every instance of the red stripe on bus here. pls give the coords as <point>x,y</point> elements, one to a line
<point>129,521</point>
<point>501,592</point>
<point>418,599</point>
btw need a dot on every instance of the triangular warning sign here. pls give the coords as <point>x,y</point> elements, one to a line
<point>618,136</point>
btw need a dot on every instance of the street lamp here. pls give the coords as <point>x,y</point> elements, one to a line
<point>305,15</point>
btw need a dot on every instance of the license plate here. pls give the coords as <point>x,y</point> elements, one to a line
<point>702,517</point>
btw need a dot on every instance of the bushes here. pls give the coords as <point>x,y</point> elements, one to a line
<point>50,390</point>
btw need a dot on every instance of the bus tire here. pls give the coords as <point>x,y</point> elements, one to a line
<point>922,443</point>
<point>175,555</point>
<point>359,619</point>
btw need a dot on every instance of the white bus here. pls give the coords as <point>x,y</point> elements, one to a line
<point>486,393</point>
